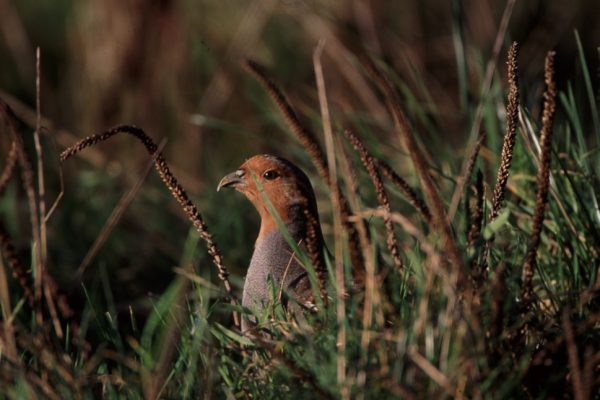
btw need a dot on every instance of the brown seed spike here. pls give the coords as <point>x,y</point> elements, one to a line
<point>172,184</point>
<point>412,197</point>
<point>382,197</point>
<point>543,177</point>
<point>313,245</point>
<point>473,158</point>
<point>306,137</point>
<point>508,145</point>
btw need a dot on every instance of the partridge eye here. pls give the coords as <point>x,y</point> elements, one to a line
<point>270,175</point>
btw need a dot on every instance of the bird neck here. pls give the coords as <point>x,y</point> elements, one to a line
<point>292,218</point>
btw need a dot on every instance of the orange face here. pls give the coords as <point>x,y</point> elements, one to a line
<point>275,178</point>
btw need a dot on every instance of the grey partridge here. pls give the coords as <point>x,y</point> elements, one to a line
<point>292,199</point>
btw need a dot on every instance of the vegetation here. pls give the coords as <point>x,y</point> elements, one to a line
<point>469,273</point>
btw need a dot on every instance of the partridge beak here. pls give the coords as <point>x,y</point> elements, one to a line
<point>232,179</point>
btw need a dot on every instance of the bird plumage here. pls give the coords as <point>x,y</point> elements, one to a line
<point>278,190</point>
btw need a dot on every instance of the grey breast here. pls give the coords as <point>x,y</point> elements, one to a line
<point>272,257</point>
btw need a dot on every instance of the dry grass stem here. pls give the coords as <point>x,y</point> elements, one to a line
<point>40,163</point>
<point>403,127</point>
<point>412,197</point>
<point>508,145</point>
<point>174,187</point>
<point>543,177</point>
<point>340,279</point>
<point>382,197</point>
<point>326,118</point>
<point>433,372</point>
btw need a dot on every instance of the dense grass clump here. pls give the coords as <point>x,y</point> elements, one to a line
<point>475,281</point>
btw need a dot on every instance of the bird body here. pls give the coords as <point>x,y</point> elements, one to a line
<point>273,256</point>
<point>283,196</point>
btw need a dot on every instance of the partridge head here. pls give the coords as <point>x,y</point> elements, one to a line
<point>278,190</point>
